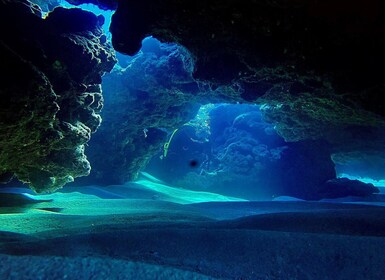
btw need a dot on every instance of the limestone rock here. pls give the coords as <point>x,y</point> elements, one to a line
<point>316,65</point>
<point>151,96</point>
<point>50,92</point>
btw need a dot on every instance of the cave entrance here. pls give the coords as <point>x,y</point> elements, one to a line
<point>150,101</point>
<point>227,149</point>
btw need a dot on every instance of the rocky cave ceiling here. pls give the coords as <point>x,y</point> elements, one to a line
<point>321,58</point>
<point>316,65</point>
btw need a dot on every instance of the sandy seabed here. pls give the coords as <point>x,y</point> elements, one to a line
<point>86,236</point>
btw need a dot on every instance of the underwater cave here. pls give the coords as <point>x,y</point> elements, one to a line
<point>192,139</point>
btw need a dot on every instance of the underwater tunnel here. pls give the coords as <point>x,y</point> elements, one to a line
<point>192,140</point>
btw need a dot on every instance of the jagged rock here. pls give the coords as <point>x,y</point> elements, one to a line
<point>50,92</point>
<point>244,156</point>
<point>153,94</point>
<point>342,187</point>
<point>316,116</point>
<point>317,73</point>
<point>316,76</point>
<point>272,39</point>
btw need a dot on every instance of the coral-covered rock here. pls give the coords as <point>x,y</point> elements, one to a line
<point>243,156</point>
<point>262,43</point>
<point>153,95</point>
<point>317,116</point>
<point>314,63</point>
<point>50,92</point>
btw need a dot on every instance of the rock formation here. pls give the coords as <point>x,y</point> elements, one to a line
<point>50,92</point>
<point>243,156</point>
<point>326,54</point>
<point>314,66</point>
<point>144,101</point>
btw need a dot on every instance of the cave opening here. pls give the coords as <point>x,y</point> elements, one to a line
<point>152,100</point>
<point>167,139</point>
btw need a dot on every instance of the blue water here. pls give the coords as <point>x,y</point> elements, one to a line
<point>221,195</point>
<point>94,9</point>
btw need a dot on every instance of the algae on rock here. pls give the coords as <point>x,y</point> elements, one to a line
<point>50,92</point>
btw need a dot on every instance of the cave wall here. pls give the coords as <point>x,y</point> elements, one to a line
<point>314,65</point>
<point>243,156</point>
<point>329,50</point>
<point>229,149</point>
<point>147,97</point>
<point>339,40</point>
<point>50,92</point>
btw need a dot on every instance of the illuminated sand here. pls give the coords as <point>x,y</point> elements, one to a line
<point>168,234</point>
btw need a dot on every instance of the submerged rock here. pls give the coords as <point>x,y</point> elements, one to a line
<point>244,157</point>
<point>263,44</point>
<point>147,97</point>
<point>316,76</point>
<point>50,92</point>
<point>315,65</point>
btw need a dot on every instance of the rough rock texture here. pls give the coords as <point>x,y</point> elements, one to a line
<point>243,156</point>
<point>340,42</point>
<point>316,116</point>
<point>50,92</point>
<point>146,100</point>
<point>316,64</point>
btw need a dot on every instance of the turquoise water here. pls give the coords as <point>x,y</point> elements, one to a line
<point>195,190</point>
